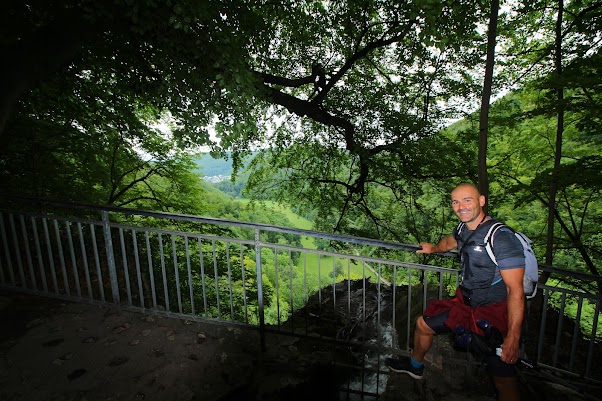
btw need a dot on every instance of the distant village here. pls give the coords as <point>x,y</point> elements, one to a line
<point>213,179</point>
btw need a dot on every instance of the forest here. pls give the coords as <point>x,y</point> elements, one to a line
<point>360,116</point>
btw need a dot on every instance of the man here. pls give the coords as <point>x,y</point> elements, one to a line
<point>490,292</point>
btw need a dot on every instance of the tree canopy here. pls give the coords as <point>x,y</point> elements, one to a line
<point>348,100</point>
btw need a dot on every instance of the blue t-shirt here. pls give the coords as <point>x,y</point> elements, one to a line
<point>482,282</point>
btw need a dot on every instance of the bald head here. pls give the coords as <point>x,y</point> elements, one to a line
<point>467,185</point>
<point>468,203</point>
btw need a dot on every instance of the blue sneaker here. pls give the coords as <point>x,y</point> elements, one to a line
<point>403,365</point>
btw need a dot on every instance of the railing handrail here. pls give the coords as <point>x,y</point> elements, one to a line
<point>219,221</point>
<point>272,228</point>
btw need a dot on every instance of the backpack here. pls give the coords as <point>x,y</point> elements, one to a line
<point>531,266</point>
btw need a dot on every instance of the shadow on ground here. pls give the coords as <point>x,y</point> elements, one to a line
<point>53,350</point>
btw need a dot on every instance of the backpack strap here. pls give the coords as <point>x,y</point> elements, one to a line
<point>488,240</point>
<point>459,228</point>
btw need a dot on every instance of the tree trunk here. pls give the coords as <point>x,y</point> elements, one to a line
<point>559,133</point>
<point>485,99</point>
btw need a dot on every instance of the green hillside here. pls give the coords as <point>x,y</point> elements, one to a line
<point>209,166</point>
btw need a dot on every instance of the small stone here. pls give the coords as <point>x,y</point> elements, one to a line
<point>53,343</point>
<point>135,342</point>
<point>89,340</point>
<point>121,329</point>
<point>118,360</point>
<point>34,323</point>
<point>146,332</point>
<point>76,374</point>
<point>201,338</point>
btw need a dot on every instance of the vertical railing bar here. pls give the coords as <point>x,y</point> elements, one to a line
<point>349,287</point>
<point>409,313</point>
<point>559,327</point>
<point>576,332</point>
<point>50,255</point>
<point>126,269</point>
<point>36,237</point>
<point>164,273</point>
<point>542,327</point>
<point>319,281</point>
<point>290,275</point>
<point>364,301</point>
<point>9,260</point>
<point>364,322</point>
<point>276,285</point>
<point>425,288</point>
<point>8,266</point>
<point>592,340</point>
<point>205,306</point>
<point>243,278</point>
<point>394,306</point>
<point>441,280</point>
<point>61,257</point>
<point>78,288</point>
<point>97,261</point>
<point>215,273</point>
<point>378,326</point>
<point>28,253</point>
<point>106,228</point>
<point>151,269</point>
<point>260,306</point>
<point>189,269</point>
<point>305,290</point>
<point>334,283</point>
<point>13,229</point>
<point>176,271</point>
<point>82,247</point>
<point>138,269</point>
<point>229,272</point>
<point>2,279</point>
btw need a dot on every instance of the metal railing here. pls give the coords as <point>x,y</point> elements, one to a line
<point>361,295</point>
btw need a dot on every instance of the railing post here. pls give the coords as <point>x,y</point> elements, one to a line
<point>258,270</point>
<point>110,256</point>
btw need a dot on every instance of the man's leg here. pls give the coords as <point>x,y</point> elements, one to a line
<point>505,379</point>
<point>507,388</point>
<point>423,339</point>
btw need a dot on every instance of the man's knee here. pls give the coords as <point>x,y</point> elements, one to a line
<point>507,388</point>
<point>423,328</point>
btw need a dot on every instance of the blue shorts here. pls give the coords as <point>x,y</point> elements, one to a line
<point>494,364</point>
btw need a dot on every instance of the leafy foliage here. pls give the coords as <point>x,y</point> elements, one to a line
<point>351,98</point>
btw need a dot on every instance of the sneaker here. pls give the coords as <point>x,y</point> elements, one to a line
<point>403,365</point>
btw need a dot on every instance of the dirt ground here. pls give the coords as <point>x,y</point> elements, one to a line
<point>53,350</point>
<point>56,350</point>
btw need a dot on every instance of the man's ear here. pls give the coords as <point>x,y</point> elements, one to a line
<point>482,200</point>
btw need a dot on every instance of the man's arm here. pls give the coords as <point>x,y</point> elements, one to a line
<point>513,278</point>
<point>446,244</point>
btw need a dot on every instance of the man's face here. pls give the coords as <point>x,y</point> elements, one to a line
<point>467,203</point>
